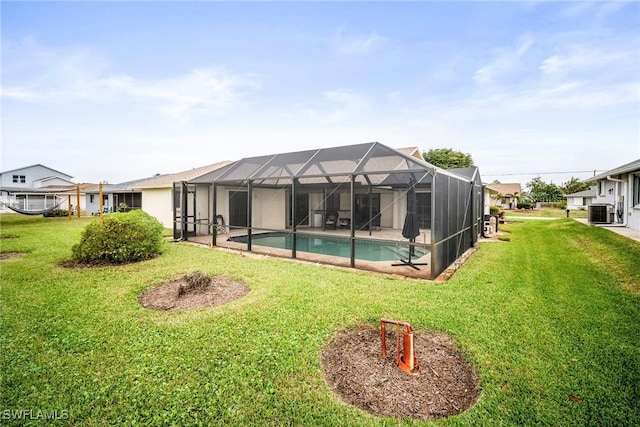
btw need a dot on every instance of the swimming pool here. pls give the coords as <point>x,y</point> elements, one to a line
<point>367,250</point>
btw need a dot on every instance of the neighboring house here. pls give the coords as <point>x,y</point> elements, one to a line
<point>505,195</point>
<point>157,192</point>
<point>490,197</point>
<point>152,194</point>
<point>37,187</point>
<point>617,199</point>
<point>113,195</point>
<point>582,199</point>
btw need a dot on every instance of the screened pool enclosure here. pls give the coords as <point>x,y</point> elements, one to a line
<point>363,206</point>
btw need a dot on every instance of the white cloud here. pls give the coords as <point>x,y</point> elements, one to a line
<point>585,58</point>
<point>57,77</point>
<point>335,106</point>
<point>505,60</point>
<point>357,44</point>
<point>200,91</point>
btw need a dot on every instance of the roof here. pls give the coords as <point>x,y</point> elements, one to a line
<point>511,188</point>
<point>633,166</point>
<point>37,164</point>
<point>52,177</point>
<point>123,186</point>
<point>166,181</point>
<point>411,151</point>
<point>372,163</point>
<point>591,192</point>
<point>50,189</point>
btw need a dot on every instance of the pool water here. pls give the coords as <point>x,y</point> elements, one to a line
<point>367,250</point>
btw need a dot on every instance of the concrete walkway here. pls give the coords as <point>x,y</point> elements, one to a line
<point>623,231</point>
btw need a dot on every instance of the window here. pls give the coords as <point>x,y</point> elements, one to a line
<point>91,198</point>
<point>636,190</point>
<point>333,201</point>
<point>19,178</point>
<point>601,188</point>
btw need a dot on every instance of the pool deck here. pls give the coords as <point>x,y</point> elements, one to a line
<point>385,267</point>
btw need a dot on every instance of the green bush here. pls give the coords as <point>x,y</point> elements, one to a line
<point>119,238</point>
<point>560,205</point>
<point>56,213</point>
<point>494,210</point>
<point>524,204</point>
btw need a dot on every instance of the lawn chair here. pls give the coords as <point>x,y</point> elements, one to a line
<point>331,220</point>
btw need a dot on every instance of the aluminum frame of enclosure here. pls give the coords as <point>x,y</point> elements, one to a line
<point>359,171</point>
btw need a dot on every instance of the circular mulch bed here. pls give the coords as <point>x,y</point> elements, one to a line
<point>11,255</point>
<point>193,291</point>
<point>355,371</point>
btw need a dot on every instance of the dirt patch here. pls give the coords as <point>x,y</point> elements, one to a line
<point>11,255</point>
<point>193,291</point>
<point>356,372</point>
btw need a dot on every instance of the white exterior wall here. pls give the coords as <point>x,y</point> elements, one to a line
<point>605,192</point>
<point>268,208</point>
<point>616,192</point>
<point>203,209</point>
<point>633,212</point>
<point>157,203</point>
<point>386,210</point>
<point>578,203</point>
<point>399,209</point>
<point>93,208</point>
<point>33,174</point>
<point>487,203</point>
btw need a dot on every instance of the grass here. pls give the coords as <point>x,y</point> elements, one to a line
<point>547,212</point>
<point>550,319</point>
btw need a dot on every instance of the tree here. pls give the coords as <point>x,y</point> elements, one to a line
<point>573,186</point>
<point>447,158</point>
<point>542,191</point>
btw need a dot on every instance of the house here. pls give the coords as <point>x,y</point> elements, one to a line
<point>348,205</point>
<point>582,199</point>
<point>156,192</point>
<point>37,187</point>
<point>617,199</point>
<point>152,194</point>
<point>114,196</point>
<point>505,195</point>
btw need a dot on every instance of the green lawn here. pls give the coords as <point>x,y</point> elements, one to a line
<point>548,212</point>
<point>553,313</point>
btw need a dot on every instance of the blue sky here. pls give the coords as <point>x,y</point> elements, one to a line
<point>115,91</point>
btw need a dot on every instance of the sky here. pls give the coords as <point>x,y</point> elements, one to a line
<point>117,91</point>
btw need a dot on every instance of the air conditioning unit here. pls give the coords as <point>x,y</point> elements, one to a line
<point>600,214</point>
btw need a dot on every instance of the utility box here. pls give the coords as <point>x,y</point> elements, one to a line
<point>600,213</point>
<point>316,219</point>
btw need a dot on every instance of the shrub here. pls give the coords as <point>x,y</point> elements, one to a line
<point>524,204</point>
<point>55,213</point>
<point>120,238</point>
<point>494,210</point>
<point>560,205</point>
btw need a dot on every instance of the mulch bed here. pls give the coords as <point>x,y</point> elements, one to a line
<point>356,372</point>
<point>186,294</point>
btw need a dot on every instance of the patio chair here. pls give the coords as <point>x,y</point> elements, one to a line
<point>331,219</point>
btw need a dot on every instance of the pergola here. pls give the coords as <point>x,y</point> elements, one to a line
<point>366,185</point>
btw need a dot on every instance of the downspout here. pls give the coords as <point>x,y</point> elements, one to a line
<point>624,203</point>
